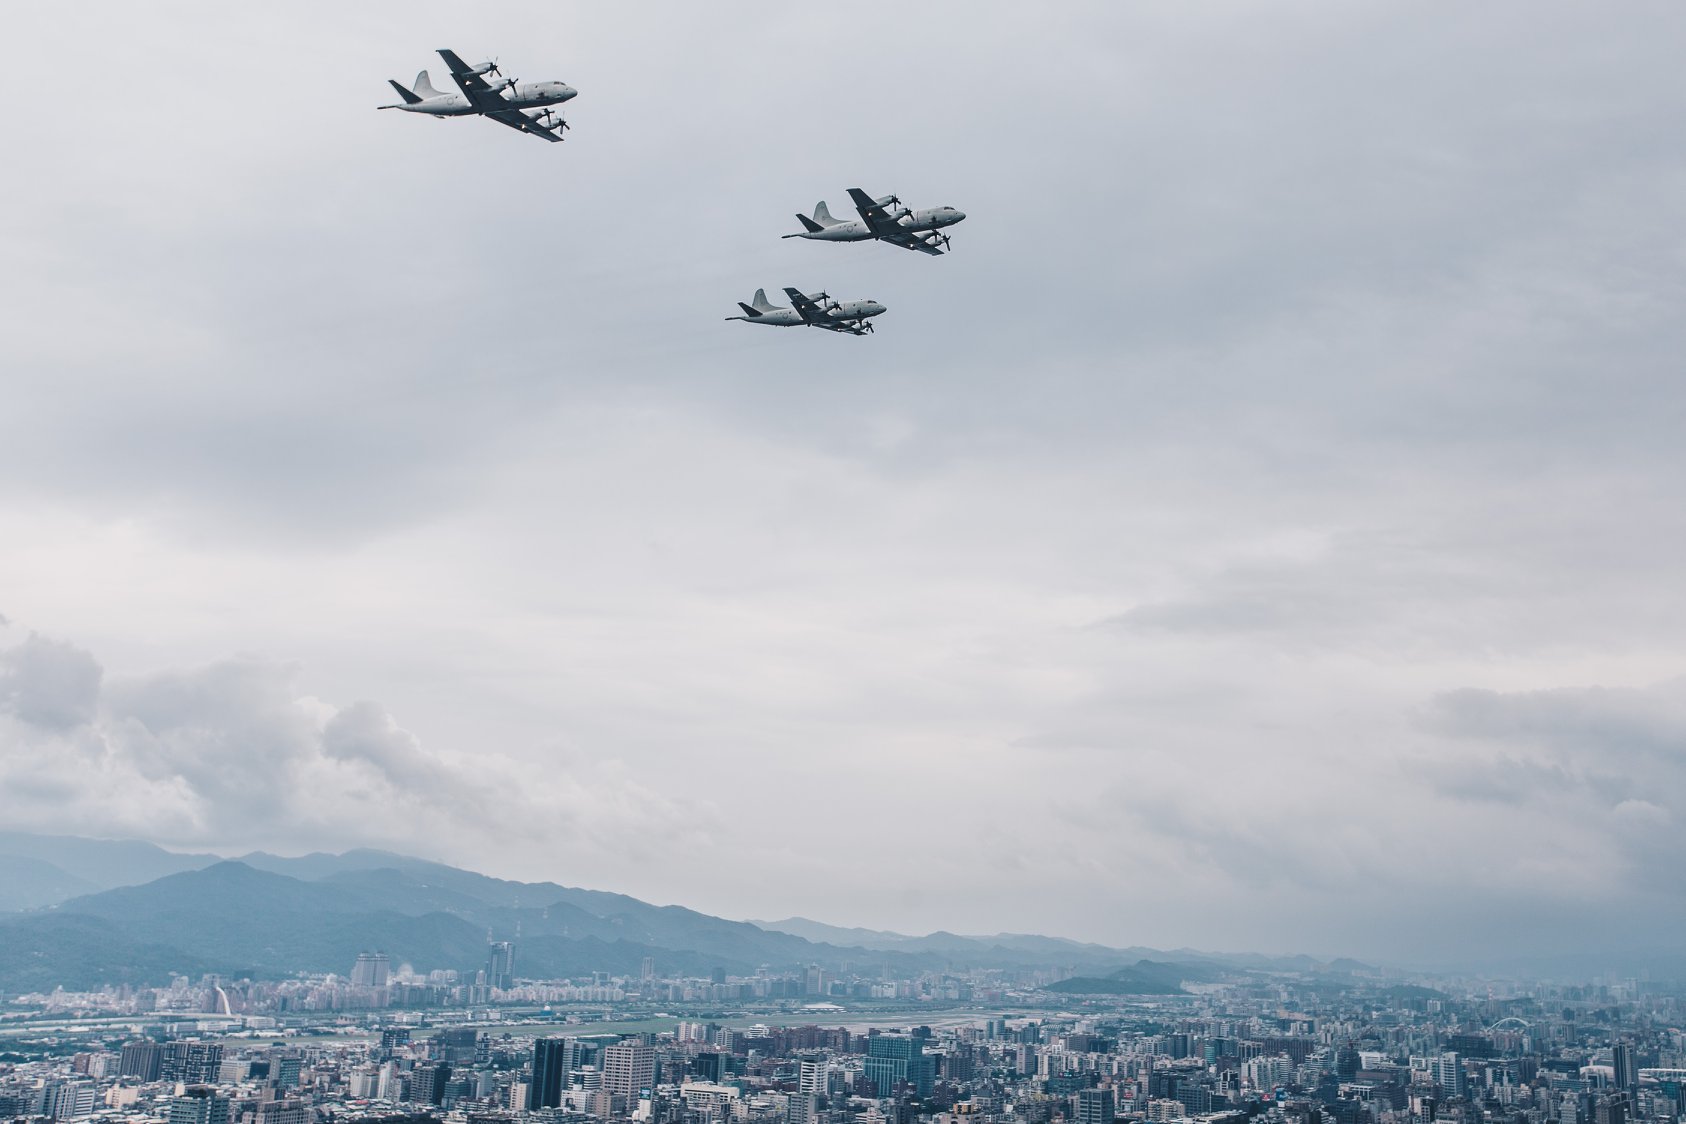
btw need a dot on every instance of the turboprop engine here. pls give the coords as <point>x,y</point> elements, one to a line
<point>892,206</point>
<point>545,119</point>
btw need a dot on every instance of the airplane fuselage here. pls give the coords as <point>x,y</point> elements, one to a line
<point>778,318</point>
<point>524,95</point>
<point>855,310</point>
<point>855,230</point>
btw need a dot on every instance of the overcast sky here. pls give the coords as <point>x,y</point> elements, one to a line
<point>1263,531</point>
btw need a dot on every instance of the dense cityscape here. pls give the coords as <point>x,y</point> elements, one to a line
<point>1339,1044</point>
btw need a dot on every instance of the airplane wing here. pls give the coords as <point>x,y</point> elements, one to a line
<point>472,85</point>
<point>816,314</point>
<point>871,213</point>
<point>808,308</point>
<point>851,327</point>
<point>887,229</point>
<point>515,119</point>
<point>925,241</point>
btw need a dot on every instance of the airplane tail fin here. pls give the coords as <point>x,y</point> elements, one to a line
<point>822,214</point>
<point>409,97</point>
<point>424,86</point>
<point>761,303</point>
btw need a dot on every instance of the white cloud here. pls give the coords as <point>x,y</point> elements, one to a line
<point>234,756</point>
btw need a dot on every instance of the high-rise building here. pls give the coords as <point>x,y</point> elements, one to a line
<point>801,1108</point>
<point>200,1105</point>
<point>190,1062</point>
<point>812,1076</point>
<point>66,1100</point>
<point>1095,1106</point>
<point>629,1068</point>
<point>1627,1076</point>
<point>459,1045</point>
<point>140,1059</point>
<point>427,1083</point>
<point>285,1070</point>
<point>516,1095</point>
<point>553,1060</point>
<point>500,965</point>
<point>371,970</point>
<point>711,1067</point>
<point>892,1059</point>
<point>1195,1097</point>
<point>1449,1074</point>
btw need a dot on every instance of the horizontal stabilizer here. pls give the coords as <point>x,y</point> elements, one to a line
<point>409,97</point>
<point>808,224</point>
<point>748,311</point>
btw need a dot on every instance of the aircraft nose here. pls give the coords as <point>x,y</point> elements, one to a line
<point>568,92</point>
<point>958,215</point>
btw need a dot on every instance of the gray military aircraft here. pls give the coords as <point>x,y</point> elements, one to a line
<point>816,310</point>
<point>884,219</point>
<point>520,105</point>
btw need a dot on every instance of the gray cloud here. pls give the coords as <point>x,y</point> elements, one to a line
<point>48,684</point>
<point>233,755</point>
<point>365,732</point>
<point>1616,753</point>
<point>1590,724</point>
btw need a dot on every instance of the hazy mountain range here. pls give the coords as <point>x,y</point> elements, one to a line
<point>83,912</point>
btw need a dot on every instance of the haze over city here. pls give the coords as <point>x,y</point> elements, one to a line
<point>1260,533</point>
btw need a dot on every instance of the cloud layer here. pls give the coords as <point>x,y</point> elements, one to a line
<point>1226,545</point>
<point>234,756</point>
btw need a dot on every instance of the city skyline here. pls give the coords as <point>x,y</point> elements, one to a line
<point>1302,1049</point>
